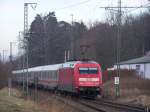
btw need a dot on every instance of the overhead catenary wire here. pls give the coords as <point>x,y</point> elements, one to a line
<point>142,6</point>
<point>73,5</point>
<point>130,7</point>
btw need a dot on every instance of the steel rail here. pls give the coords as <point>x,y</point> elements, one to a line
<point>120,106</point>
<point>128,105</point>
<point>94,107</point>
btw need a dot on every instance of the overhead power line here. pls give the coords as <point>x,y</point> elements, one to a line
<point>142,6</point>
<point>129,7</point>
<point>73,5</point>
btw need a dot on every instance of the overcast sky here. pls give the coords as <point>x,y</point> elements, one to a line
<point>12,14</point>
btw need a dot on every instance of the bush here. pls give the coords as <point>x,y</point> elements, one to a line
<point>130,84</point>
<point>109,75</point>
<point>4,74</point>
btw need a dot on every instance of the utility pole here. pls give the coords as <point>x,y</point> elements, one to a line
<point>10,57</point>
<point>0,57</point>
<point>20,51</point>
<point>119,22</point>
<point>22,59</point>
<point>84,49</point>
<point>3,55</point>
<point>26,36</point>
<point>68,54</point>
<point>65,56</point>
<point>72,40</point>
<point>10,78</point>
<point>4,51</point>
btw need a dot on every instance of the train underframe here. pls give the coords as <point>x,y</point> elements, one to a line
<point>80,91</point>
<point>89,91</point>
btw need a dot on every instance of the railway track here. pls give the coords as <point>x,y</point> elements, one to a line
<point>81,105</point>
<point>78,106</point>
<point>118,106</point>
<point>93,106</point>
<point>90,105</point>
<point>103,106</point>
<point>125,106</point>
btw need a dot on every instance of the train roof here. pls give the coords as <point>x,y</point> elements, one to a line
<point>40,68</point>
<point>73,63</point>
<point>52,67</point>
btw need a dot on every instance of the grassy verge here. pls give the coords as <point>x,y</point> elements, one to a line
<point>14,104</point>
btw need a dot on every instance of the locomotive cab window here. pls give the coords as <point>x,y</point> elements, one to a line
<point>93,70</point>
<point>83,70</point>
<point>87,70</point>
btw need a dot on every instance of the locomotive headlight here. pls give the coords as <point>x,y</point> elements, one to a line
<point>94,79</point>
<point>82,79</point>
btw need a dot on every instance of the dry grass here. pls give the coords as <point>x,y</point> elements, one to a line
<point>132,88</point>
<point>109,75</point>
<point>57,106</point>
<point>15,104</point>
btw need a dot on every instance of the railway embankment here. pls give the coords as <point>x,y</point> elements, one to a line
<point>45,102</point>
<point>15,103</point>
<point>133,89</point>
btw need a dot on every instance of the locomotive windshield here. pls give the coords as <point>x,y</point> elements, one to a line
<point>87,70</point>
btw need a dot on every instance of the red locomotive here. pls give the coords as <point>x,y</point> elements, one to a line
<point>76,77</point>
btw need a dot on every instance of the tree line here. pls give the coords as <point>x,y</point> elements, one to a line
<point>49,39</point>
